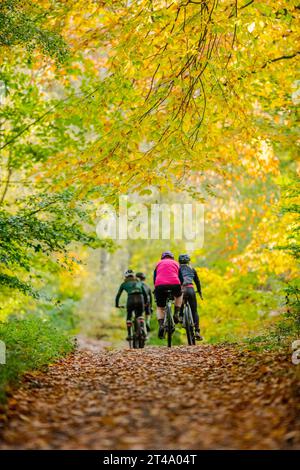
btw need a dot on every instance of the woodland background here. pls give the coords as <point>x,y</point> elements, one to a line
<point>161,100</point>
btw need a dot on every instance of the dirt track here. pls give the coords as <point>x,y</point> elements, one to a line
<point>204,397</point>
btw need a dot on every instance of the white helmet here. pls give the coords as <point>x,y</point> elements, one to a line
<point>129,273</point>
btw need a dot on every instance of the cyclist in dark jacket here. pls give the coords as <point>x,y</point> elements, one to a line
<point>190,276</point>
<point>148,305</point>
<point>136,299</point>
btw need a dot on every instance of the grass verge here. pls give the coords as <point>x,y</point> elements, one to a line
<point>31,342</point>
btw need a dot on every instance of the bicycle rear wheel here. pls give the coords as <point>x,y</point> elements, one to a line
<point>189,327</point>
<point>130,341</point>
<point>190,336</point>
<point>169,326</point>
<point>140,336</point>
<point>135,342</point>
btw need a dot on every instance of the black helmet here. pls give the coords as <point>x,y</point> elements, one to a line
<point>129,273</point>
<point>141,276</point>
<point>167,254</point>
<point>184,259</point>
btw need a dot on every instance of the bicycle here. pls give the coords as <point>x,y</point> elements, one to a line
<point>188,322</point>
<point>137,334</point>
<point>169,325</point>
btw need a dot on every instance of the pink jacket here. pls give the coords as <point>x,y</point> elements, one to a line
<point>166,272</point>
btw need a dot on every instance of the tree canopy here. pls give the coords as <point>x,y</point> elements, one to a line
<point>114,97</point>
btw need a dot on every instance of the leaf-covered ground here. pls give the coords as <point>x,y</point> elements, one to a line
<point>202,397</point>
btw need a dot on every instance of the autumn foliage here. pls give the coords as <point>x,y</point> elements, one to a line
<point>101,99</point>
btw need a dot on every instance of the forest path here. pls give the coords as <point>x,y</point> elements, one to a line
<point>199,397</point>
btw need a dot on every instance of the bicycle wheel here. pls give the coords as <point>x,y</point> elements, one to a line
<point>140,335</point>
<point>192,327</point>
<point>169,325</point>
<point>130,341</point>
<point>189,327</point>
<point>135,342</point>
<point>192,336</point>
<point>141,342</point>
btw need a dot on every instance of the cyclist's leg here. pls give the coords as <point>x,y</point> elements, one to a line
<point>147,316</point>
<point>161,299</point>
<point>192,299</point>
<point>139,312</point>
<point>177,292</point>
<point>130,309</point>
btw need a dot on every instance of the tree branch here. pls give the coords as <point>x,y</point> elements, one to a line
<point>283,57</point>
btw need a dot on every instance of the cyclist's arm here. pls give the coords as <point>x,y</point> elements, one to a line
<point>121,288</point>
<point>154,276</point>
<point>197,282</point>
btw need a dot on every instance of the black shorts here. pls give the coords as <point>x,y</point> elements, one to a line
<point>161,293</point>
<point>135,303</point>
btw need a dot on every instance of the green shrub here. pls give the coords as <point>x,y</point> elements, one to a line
<point>31,342</point>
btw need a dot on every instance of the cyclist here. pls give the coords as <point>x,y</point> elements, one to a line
<point>137,298</point>
<point>190,275</point>
<point>166,277</point>
<point>148,305</point>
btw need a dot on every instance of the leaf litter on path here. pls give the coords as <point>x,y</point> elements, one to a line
<point>200,397</point>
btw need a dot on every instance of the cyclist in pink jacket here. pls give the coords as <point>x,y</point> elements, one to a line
<point>167,276</point>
